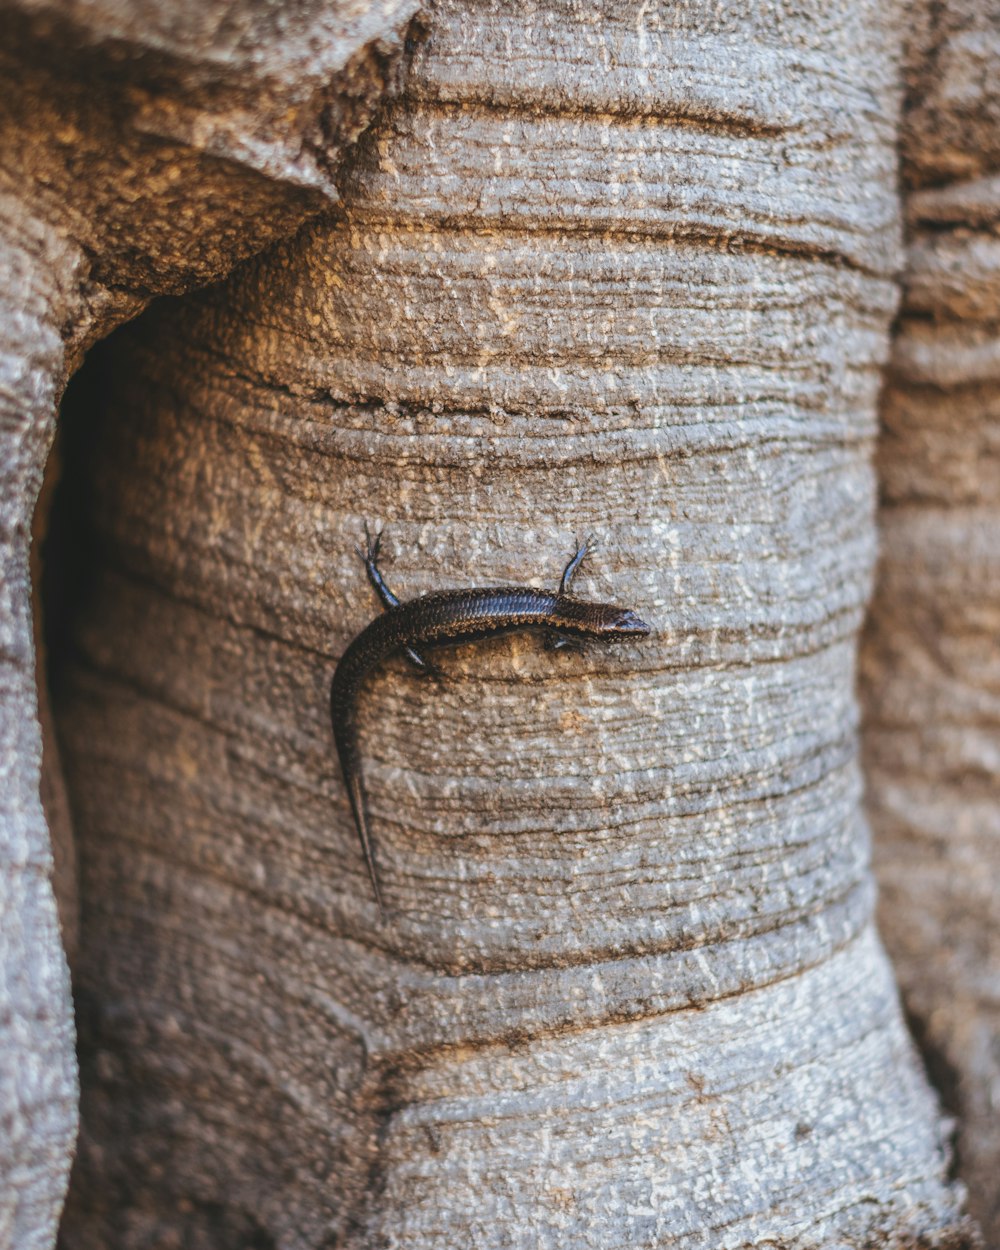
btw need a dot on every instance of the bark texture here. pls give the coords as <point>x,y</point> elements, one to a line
<point>38,1091</point>
<point>629,994</point>
<point>142,149</point>
<point>931,675</point>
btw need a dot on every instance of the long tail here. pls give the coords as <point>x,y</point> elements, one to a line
<point>343,692</point>
<point>352,779</point>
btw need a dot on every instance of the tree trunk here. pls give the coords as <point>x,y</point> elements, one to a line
<point>931,675</point>
<point>139,154</point>
<point>620,273</point>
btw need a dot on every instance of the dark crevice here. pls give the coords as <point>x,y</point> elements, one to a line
<point>944,1076</point>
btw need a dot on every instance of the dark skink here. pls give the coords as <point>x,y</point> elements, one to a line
<point>443,619</point>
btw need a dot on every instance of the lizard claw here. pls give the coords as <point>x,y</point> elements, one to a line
<point>374,544</point>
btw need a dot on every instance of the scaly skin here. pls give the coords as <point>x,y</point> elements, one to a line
<point>443,619</point>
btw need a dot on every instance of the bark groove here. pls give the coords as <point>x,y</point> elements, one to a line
<point>139,153</point>
<point>630,993</point>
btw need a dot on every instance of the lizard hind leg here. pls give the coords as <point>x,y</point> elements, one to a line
<point>370,554</point>
<point>424,667</point>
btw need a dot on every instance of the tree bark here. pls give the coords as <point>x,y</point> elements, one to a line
<point>628,274</point>
<point>38,1092</point>
<point>930,675</point>
<point>139,154</point>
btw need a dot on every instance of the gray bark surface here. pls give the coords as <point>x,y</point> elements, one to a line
<point>142,149</point>
<point>629,993</point>
<point>38,1090</point>
<point>931,671</point>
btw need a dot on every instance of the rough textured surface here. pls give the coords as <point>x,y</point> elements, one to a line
<point>629,994</point>
<point>140,151</point>
<point>167,159</point>
<point>931,675</point>
<point>38,1090</point>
